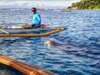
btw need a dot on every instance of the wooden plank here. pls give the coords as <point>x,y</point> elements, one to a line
<point>24,68</point>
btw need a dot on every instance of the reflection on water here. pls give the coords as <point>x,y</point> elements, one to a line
<point>77,51</point>
<point>6,70</point>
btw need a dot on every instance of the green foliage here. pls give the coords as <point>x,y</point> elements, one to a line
<point>87,4</point>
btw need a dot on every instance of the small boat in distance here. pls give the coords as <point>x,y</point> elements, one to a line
<point>19,68</point>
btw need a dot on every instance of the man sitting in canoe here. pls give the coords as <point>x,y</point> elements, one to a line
<point>36,20</point>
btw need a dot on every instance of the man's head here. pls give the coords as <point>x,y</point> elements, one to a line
<point>34,10</point>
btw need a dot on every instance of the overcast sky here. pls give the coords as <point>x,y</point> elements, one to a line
<point>37,3</point>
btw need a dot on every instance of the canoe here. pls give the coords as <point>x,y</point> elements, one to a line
<point>18,32</point>
<point>19,68</point>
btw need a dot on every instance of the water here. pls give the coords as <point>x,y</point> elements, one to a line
<point>78,51</point>
<point>6,70</point>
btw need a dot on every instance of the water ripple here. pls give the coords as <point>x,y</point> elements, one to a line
<point>78,48</point>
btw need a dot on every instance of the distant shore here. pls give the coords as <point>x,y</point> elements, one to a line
<point>86,4</point>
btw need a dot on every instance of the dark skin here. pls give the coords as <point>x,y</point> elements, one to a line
<point>34,10</point>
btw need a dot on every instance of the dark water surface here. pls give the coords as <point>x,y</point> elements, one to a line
<point>78,51</point>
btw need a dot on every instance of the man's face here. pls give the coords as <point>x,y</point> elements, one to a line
<point>34,11</point>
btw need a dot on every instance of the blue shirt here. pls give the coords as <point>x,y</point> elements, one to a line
<point>36,19</point>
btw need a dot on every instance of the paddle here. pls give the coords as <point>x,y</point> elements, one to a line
<point>2,30</point>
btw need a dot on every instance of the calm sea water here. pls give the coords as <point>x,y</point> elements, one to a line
<point>78,48</point>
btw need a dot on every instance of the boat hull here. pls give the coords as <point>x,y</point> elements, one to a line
<point>30,32</point>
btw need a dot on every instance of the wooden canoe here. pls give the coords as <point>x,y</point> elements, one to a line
<point>29,32</point>
<point>21,67</point>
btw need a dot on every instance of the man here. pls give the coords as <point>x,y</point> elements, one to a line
<point>36,18</point>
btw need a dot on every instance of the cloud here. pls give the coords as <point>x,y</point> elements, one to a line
<point>37,3</point>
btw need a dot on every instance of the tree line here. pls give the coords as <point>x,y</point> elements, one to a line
<point>86,4</point>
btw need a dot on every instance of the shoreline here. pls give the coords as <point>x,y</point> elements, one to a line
<point>53,9</point>
<point>75,8</point>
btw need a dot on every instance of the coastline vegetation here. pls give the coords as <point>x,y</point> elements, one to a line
<point>86,4</point>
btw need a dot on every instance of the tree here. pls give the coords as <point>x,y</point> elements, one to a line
<point>87,4</point>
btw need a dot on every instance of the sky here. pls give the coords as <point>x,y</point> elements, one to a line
<point>37,3</point>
